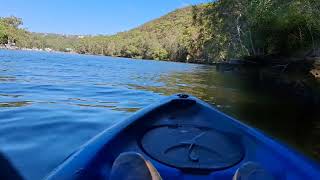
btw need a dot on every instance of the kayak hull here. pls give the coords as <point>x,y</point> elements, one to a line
<point>185,138</point>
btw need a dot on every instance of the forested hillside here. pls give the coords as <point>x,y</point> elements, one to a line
<point>205,33</point>
<point>53,41</point>
<point>165,38</point>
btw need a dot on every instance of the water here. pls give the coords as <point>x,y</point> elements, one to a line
<point>52,103</point>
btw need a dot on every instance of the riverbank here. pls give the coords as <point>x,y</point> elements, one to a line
<point>8,47</point>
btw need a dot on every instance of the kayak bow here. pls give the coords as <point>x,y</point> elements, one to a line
<point>185,138</point>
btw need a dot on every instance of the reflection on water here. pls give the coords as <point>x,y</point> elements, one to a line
<point>278,114</point>
<point>10,95</point>
<point>53,103</point>
<point>7,78</point>
<point>14,104</point>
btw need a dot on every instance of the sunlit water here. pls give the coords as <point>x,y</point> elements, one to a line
<point>52,103</point>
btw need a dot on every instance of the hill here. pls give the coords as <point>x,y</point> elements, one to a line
<point>163,38</point>
<point>203,34</point>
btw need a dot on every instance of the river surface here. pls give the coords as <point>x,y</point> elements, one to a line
<point>52,103</point>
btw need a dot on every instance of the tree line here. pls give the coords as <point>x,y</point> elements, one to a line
<point>240,28</point>
<point>204,33</point>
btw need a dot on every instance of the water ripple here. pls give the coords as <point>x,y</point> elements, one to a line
<point>15,104</point>
<point>53,102</point>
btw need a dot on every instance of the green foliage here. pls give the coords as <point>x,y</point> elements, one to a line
<point>10,31</point>
<point>3,35</point>
<point>12,21</point>
<point>205,33</point>
<point>159,39</point>
<point>261,27</point>
<point>53,41</point>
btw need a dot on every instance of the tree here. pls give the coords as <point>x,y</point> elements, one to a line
<point>260,27</point>
<point>12,21</point>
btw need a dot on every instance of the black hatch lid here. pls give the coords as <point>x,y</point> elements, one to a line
<point>192,147</point>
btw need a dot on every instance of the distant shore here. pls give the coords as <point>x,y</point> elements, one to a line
<point>74,52</point>
<point>6,47</point>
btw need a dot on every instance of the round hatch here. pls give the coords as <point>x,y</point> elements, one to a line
<point>189,147</point>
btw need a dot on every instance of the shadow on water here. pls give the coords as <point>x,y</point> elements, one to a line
<point>280,114</point>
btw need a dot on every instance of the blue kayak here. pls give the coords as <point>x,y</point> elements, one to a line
<point>185,138</point>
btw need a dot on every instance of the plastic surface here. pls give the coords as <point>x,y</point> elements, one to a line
<point>191,147</point>
<point>185,138</point>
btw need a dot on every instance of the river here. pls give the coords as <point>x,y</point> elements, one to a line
<point>51,103</point>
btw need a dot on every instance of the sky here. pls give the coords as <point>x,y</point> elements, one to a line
<point>84,17</point>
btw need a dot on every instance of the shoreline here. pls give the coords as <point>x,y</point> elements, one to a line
<point>231,65</point>
<point>101,55</point>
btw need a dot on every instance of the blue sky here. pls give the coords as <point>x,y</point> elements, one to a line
<point>88,16</point>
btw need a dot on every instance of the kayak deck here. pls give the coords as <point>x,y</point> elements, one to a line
<point>185,138</point>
